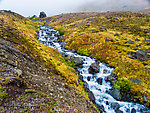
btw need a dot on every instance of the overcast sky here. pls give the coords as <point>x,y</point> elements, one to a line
<point>54,7</point>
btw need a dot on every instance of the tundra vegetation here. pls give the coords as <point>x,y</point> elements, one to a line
<point>120,39</point>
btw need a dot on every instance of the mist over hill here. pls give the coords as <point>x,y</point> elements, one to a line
<point>115,5</point>
<point>29,8</point>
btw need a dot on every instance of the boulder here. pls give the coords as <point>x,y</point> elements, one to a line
<point>133,110</point>
<point>77,60</point>
<point>102,28</point>
<point>130,42</point>
<point>91,96</point>
<point>42,15</point>
<point>88,78</point>
<point>118,111</point>
<point>136,81</point>
<point>115,105</point>
<point>141,55</point>
<point>116,34</point>
<point>94,68</point>
<point>105,71</point>
<point>109,40</point>
<point>99,81</point>
<point>116,94</point>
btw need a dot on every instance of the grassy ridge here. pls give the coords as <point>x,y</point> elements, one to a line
<point>89,34</point>
<point>22,32</point>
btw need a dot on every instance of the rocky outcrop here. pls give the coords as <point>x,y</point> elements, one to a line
<point>42,15</point>
<point>140,55</point>
<point>94,68</point>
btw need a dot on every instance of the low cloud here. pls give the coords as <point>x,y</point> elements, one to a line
<point>54,7</point>
<point>114,5</point>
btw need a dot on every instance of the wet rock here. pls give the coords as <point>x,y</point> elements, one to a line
<point>118,111</point>
<point>99,81</point>
<point>133,110</point>
<point>109,40</point>
<point>86,86</point>
<point>115,105</point>
<point>107,103</point>
<point>145,99</point>
<point>105,71</point>
<point>91,96</point>
<point>116,34</point>
<point>130,42</point>
<point>94,68</point>
<point>116,94</point>
<point>77,60</point>
<point>88,78</point>
<point>42,15</point>
<point>81,78</point>
<point>136,81</point>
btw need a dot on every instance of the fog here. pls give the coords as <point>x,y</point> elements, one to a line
<point>54,7</point>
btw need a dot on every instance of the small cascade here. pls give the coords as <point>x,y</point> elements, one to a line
<point>95,82</point>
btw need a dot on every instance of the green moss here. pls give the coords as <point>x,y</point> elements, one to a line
<point>61,31</point>
<point>124,85</point>
<point>3,94</point>
<point>83,51</point>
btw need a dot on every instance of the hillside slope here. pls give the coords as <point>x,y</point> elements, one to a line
<point>34,77</point>
<point>121,39</point>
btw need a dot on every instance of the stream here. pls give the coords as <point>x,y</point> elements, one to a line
<point>50,37</point>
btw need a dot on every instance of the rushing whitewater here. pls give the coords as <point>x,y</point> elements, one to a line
<point>50,37</point>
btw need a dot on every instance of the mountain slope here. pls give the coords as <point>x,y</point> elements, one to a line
<point>121,39</point>
<point>34,77</point>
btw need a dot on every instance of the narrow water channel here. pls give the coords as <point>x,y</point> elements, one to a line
<point>50,37</point>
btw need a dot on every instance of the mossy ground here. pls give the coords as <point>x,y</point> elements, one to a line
<point>85,34</point>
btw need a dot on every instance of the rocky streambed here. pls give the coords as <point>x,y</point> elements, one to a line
<point>96,76</point>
